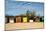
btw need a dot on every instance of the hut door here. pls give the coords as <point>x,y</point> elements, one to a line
<point>24,19</point>
<point>11,20</point>
<point>6,20</point>
<point>18,19</point>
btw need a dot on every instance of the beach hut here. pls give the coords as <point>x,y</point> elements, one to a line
<point>6,19</point>
<point>24,19</point>
<point>18,19</point>
<point>11,19</point>
<point>37,19</point>
<point>30,19</point>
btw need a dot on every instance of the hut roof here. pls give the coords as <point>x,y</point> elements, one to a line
<point>10,16</point>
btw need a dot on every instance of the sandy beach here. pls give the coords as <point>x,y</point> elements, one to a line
<point>32,25</point>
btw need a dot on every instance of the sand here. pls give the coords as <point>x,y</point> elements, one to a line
<point>32,25</point>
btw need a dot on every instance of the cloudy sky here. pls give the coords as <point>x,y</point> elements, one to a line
<point>20,7</point>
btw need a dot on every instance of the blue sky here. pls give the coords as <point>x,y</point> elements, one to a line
<point>20,7</point>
